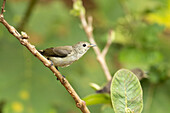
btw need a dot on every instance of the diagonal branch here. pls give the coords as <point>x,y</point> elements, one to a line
<point>23,39</point>
<point>88,28</point>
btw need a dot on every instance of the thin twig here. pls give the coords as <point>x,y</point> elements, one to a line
<point>3,7</point>
<point>88,28</point>
<point>23,38</point>
<point>109,42</point>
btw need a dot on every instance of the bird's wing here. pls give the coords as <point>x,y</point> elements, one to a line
<point>62,51</point>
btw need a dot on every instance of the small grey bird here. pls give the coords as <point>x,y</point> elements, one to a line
<point>63,56</point>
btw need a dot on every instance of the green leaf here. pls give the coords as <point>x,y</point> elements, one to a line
<point>97,99</point>
<point>126,92</point>
<point>78,8</point>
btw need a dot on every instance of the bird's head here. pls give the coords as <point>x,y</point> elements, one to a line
<point>82,47</point>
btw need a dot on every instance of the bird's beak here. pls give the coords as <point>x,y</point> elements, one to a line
<point>91,45</point>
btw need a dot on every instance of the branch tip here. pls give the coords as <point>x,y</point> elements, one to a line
<point>109,42</point>
<point>3,7</point>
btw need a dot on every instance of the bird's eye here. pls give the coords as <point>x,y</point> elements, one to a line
<point>84,45</point>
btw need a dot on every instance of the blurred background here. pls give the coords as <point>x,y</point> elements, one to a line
<point>142,29</point>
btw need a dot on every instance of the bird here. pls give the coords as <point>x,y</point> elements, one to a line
<point>63,56</point>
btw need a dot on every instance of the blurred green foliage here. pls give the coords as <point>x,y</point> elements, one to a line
<point>142,40</point>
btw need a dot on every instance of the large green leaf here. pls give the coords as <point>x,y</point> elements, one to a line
<point>126,92</point>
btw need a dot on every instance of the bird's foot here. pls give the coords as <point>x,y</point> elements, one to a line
<point>56,68</point>
<point>59,71</point>
<point>63,76</point>
<point>51,62</point>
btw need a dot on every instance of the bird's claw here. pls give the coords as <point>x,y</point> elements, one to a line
<point>59,71</point>
<point>63,76</point>
<point>51,62</point>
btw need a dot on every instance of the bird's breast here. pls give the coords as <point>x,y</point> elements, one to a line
<point>63,62</point>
